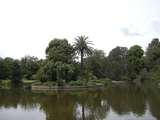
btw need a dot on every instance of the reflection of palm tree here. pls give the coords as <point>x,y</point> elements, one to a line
<point>93,105</point>
<point>82,47</point>
<point>83,112</point>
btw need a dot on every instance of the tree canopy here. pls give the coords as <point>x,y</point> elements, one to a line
<point>61,66</point>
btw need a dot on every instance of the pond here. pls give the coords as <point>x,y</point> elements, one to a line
<point>113,103</point>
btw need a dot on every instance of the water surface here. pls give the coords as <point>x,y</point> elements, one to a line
<point>113,103</point>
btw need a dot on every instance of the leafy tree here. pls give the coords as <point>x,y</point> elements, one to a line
<point>29,66</point>
<point>153,53</point>
<point>16,72</point>
<point>48,72</point>
<point>152,61</point>
<point>56,71</point>
<point>60,50</point>
<point>2,69</point>
<point>58,65</point>
<point>81,46</point>
<point>135,61</point>
<point>8,67</point>
<point>97,63</point>
<point>117,63</point>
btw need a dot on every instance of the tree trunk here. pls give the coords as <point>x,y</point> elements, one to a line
<point>82,63</point>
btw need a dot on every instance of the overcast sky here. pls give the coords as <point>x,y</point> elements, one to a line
<point>27,26</point>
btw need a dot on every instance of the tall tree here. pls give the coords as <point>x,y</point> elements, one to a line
<point>8,67</point>
<point>30,66</point>
<point>60,50</point>
<point>16,72</point>
<point>2,69</point>
<point>153,53</point>
<point>135,61</point>
<point>58,66</point>
<point>117,63</point>
<point>96,63</point>
<point>81,47</point>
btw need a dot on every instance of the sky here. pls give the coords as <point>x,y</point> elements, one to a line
<point>27,26</point>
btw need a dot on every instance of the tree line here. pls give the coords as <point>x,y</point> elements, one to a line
<point>67,62</point>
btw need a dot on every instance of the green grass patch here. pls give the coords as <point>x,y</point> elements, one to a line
<point>29,81</point>
<point>5,83</point>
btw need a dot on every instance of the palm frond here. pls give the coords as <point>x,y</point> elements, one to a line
<point>82,44</point>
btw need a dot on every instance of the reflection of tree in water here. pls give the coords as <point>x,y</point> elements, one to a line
<point>126,99</point>
<point>154,102</point>
<point>14,98</point>
<point>95,104</point>
<point>63,106</point>
<point>58,107</point>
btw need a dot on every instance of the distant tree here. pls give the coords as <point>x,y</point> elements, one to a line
<point>153,54</point>
<point>16,76</point>
<point>30,66</point>
<point>135,61</point>
<point>8,67</point>
<point>82,48</point>
<point>2,69</point>
<point>117,63</point>
<point>58,65</point>
<point>60,50</point>
<point>96,63</point>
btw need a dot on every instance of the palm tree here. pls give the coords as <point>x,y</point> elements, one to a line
<point>81,47</point>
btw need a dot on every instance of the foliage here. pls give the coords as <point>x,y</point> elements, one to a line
<point>87,76</point>
<point>155,75</point>
<point>16,73</point>
<point>153,54</point>
<point>117,63</point>
<point>97,63</point>
<point>59,64</point>
<point>60,50</point>
<point>82,48</point>
<point>30,66</point>
<point>56,71</point>
<point>135,61</point>
<point>2,69</point>
<point>8,67</point>
<point>61,67</point>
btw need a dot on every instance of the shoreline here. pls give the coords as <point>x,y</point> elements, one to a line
<point>65,88</point>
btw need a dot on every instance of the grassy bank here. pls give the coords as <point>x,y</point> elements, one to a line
<point>58,84</point>
<point>8,83</point>
<point>70,85</point>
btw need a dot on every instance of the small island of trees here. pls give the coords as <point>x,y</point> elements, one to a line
<point>79,64</point>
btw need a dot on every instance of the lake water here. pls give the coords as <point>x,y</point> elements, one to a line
<point>113,103</point>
